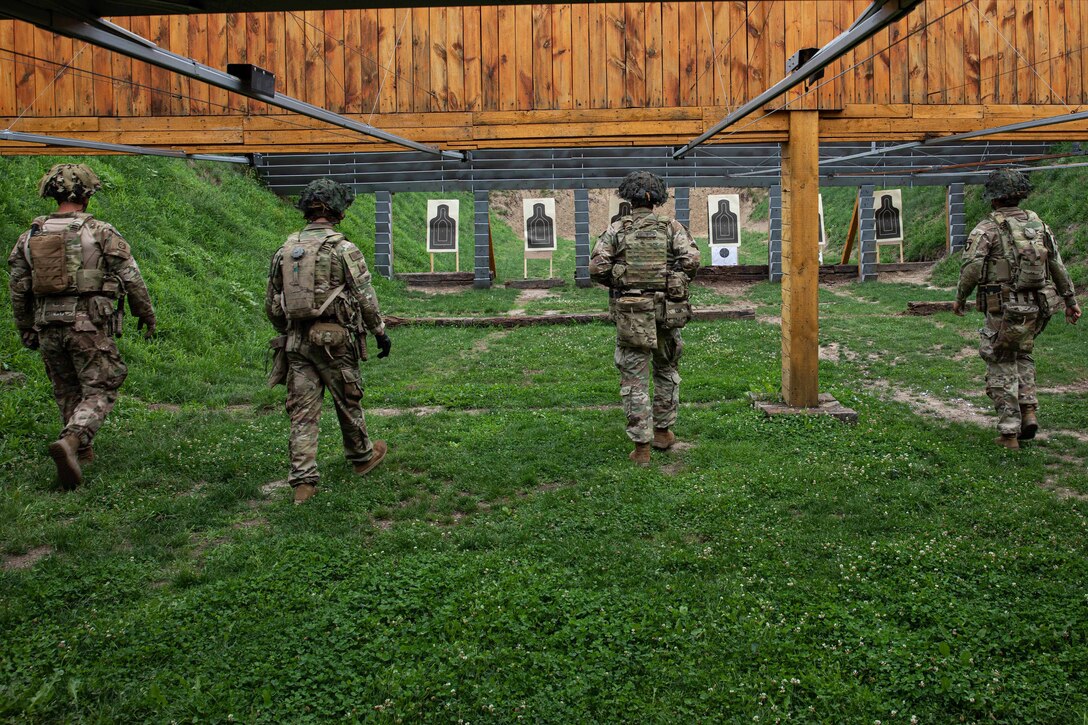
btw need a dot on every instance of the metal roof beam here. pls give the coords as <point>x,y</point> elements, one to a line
<point>877,16</point>
<point>112,37</point>
<point>118,147</point>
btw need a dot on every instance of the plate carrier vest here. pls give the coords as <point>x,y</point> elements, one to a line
<point>57,259</point>
<point>306,266</point>
<point>647,252</point>
<point>1023,246</point>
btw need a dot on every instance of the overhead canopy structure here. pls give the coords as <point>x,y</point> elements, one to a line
<point>103,8</point>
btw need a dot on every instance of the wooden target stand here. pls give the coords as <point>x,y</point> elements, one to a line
<point>547,254</point>
<point>456,261</point>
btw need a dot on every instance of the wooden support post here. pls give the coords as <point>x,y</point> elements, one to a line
<point>800,260</point>
<point>851,233</point>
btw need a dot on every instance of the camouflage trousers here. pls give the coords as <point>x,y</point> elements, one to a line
<point>1010,369</point>
<point>310,371</point>
<point>86,371</point>
<point>634,367</point>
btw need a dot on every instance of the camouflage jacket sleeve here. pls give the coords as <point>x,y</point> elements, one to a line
<point>1058,272</point>
<point>600,262</point>
<point>273,302</point>
<point>358,285</point>
<point>983,241</point>
<point>120,263</point>
<point>20,285</point>
<point>684,255</point>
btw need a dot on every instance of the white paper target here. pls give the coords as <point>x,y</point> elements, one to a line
<point>538,227</point>
<point>443,225</point>
<point>888,215</point>
<point>724,255</point>
<point>723,218</point>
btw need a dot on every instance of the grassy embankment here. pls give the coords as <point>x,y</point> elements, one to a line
<point>506,561</point>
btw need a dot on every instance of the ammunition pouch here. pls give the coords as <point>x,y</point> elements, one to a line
<point>277,375</point>
<point>89,281</point>
<point>101,312</point>
<point>328,335</point>
<point>989,299</point>
<point>674,314</point>
<point>676,286</point>
<point>1050,302</point>
<point>58,310</point>
<point>636,323</point>
<point>1018,327</point>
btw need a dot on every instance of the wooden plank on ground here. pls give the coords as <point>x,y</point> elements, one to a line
<point>800,265</point>
<point>581,87</point>
<point>439,59</point>
<point>473,58</point>
<point>635,54</point>
<point>562,57</point>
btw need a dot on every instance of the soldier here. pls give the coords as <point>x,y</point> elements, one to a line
<point>647,262</point>
<point>320,299</point>
<point>70,274</point>
<point>1013,258</point>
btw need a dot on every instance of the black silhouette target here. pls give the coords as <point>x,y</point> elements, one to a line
<point>889,220</point>
<point>723,225</point>
<point>624,210</point>
<point>539,217</point>
<point>442,224</point>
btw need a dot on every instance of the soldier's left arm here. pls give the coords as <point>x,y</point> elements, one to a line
<point>687,259</point>
<point>20,285</point>
<point>1062,281</point>
<point>357,279</point>
<point>121,264</point>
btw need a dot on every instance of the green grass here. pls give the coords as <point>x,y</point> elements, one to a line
<point>506,561</point>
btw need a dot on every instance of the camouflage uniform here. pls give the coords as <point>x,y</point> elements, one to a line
<point>1007,339</point>
<point>75,330</point>
<point>312,367</point>
<point>606,266</point>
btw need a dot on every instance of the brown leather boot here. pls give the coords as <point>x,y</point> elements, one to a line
<point>304,492</point>
<point>64,455</point>
<point>380,449</point>
<point>1029,424</point>
<point>663,439</point>
<point>1008,441</point>
<point>85,455</point>
<point>641,454</point>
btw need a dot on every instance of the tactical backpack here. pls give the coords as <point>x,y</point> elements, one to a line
<point>646,255</point>
<point>56,260</point>
<point>306,265</point>
<point>1023,243</point>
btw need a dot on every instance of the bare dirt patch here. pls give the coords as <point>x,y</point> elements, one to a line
<point>439,289</point>
<point>164,407</point>
<point>830,352</point>
<point>18,562</point>
<point>10,377</point>
<point>1050,483</point>
<point>272,486</point>
<point>965,353</point>
<point>956,410</point>
<point>484,343</point>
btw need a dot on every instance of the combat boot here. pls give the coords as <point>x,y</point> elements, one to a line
<point>663,439</point>
<point>304,492</point>
<point>1008,441</point>
<point>85,455</point>
<point>64,455</point>
<point>1029,424</point>
<point>380,448</point>
<point>641,454</point>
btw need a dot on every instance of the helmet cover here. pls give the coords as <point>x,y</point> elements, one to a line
<point>69,182</point>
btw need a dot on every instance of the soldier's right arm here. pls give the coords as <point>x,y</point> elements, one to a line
<point>1062,281</point>
<point>20,285</point>
<point>600,262</point>
<point>273,306</point>
<point>980,244</point>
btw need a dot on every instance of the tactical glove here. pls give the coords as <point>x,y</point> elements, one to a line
<point>384,344</point>
<point>149,324</point>
<point>30,339</point>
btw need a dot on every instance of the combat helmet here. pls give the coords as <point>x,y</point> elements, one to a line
<point>69,182</point>
<point>325,197</point>
<point>1007,184</point>
<point>643,188</point>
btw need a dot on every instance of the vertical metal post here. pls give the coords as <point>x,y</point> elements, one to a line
<point>774,239</point>
<point>482,234</point>
<point>682,203</point>
<point>957,220</point>
<point>868,255</point>
<point>383,233</point>
<point>581,238</point>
